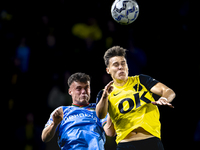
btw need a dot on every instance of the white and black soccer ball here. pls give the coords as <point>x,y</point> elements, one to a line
<point>125,11</point>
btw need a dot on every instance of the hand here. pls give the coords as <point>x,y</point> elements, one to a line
<point>58,116</point>
<point>108,89</point>
<point>162,101</point>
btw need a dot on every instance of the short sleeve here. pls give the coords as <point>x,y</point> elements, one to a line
<point>147,81</point>
<point>49,122</point>
<point>99,95</point>
<point>104,121</point>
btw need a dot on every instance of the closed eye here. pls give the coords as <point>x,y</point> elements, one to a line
<point>78,88</point>
<point>123,63</point>
<point>116,64</point>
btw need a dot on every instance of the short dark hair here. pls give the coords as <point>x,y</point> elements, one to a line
<point>112,52</point>
<point>78,77</point>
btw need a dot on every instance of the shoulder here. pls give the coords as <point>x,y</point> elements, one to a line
<point>92,105</point>
<point>64,108</point>
<point>99,95</point>
<point>145,78</point>
<point>57,109</point>
<point>147,81</point>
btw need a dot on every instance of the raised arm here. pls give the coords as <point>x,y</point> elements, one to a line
<point>49,132</point>
<point>167,94</point>
<point>102,106</point>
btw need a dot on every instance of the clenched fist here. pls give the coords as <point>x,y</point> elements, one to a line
<point>58,116</point>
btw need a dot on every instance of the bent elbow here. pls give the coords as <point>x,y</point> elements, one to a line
<point>44,138</point>
<point>111,134</point>
<point>110,131</point>
<point>173,94</point>
<point>100,115</point>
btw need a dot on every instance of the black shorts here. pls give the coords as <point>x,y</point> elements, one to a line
<point>153,143</point>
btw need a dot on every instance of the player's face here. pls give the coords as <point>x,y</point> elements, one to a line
<point>80,92</point>
<point>118,68</point>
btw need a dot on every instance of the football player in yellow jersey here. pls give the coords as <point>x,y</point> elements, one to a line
<point>133,111</point>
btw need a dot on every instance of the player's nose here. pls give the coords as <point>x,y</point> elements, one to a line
<point>83,91</point>
<point>120,67</point>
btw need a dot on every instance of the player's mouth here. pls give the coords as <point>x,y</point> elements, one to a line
<point>84,96</point>
<point>122,73</point>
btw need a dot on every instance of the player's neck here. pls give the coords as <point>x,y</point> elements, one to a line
<point>120,82</point>
<point>80,105</point>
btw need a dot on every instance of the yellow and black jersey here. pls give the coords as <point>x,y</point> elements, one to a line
<point>130,107</point>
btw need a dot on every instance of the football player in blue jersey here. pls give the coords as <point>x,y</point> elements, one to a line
<point>78,126</point>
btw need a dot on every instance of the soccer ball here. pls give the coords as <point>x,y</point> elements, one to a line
<point>125,11</point>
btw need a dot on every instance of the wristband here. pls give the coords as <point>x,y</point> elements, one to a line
<point>164,98</point>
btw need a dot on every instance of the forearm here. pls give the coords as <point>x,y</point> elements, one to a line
<point>102,106</point>
<point>169,94</point>
<point>109,128</point>
<point>49,132</point>
<point>163,91</point>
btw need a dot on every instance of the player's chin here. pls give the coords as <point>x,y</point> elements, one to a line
<point>122,77</point>
<point>84,100</point>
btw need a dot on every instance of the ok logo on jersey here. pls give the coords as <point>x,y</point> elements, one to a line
<point>131,102</point>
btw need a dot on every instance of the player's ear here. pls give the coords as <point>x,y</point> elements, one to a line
<point>108,70</point>
<point>70,91</point>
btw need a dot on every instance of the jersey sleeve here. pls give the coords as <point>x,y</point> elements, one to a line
<point>147,81</point>
<point>104,121</point>
<point>99,95</point>
<point>49,122</point>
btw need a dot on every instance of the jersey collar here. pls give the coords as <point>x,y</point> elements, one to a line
<point>119,87</point>
<point>77,105</point>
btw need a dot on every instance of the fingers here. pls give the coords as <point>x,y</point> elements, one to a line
<point>170,105</point>
<point>57,116</point>
<point>162,102</point>
<point>60,110</point>
<point>109,87</point>
<point>58,113</point>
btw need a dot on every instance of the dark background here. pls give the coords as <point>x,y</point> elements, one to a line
<point>39,50</point>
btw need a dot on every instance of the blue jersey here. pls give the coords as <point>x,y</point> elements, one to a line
<point>80,128</point>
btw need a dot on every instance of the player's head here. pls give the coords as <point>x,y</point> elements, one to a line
<point>116,63</point>
<point>79,88</point>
